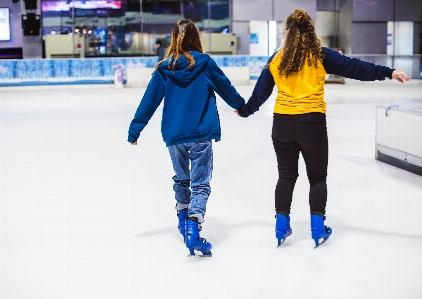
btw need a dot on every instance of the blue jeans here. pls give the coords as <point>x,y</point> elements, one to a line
<point>192,185</point>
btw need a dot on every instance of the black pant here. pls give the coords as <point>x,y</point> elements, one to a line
<point>305,133</point>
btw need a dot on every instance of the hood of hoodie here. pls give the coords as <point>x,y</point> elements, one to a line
<point>181,72</point>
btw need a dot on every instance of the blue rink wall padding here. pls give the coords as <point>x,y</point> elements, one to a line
<point>96,70</point>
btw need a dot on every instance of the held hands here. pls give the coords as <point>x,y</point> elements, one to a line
<point>400,76</point>
<point>237,113</point>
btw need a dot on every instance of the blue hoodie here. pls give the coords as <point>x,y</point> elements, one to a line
<point>190,111</point>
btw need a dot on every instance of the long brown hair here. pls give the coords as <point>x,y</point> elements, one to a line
<point>301,44</point>
<point>184,37</point>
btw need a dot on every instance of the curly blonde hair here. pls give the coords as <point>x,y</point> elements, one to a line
<point>301,44</point>
<point>184,37</point>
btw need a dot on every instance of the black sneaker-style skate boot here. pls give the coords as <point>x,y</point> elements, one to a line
<point>194,241</point>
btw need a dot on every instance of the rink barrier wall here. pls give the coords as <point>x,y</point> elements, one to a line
<point>140,76</point>
<point>397,137</point>
<point>100,70</point>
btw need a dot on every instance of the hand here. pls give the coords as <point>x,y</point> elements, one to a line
<point>237,113</point>
<point>134,143</point>
<point>400,76</point>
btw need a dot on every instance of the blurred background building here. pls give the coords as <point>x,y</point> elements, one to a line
<point>382,31</point>
<point>125,27</point>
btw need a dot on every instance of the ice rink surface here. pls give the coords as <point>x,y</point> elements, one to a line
<point>85,215</point>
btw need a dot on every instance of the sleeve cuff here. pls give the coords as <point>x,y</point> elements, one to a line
<point>130,139</point>
<point>241,111</point>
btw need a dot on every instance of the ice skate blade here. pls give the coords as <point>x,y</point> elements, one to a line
<point>200,255</point>
<point>281,242</point>
<point>323,241</point>
<point>288,234</point>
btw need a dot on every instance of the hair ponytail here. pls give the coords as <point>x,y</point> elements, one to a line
<point>301,44</point>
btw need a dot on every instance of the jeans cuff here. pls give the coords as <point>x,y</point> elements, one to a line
<point>181,206</point>
<point>199,216</point>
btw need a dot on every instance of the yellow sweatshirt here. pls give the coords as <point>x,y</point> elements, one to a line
<point>301,92</point>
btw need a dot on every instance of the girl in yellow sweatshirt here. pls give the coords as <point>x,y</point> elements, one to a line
<point>299,126</point>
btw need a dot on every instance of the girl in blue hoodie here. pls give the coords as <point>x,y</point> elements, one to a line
<point>187,79</point>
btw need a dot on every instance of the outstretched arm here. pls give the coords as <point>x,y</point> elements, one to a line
<point>151,100</point>
<point>353,68</point>
<point>263,89</point>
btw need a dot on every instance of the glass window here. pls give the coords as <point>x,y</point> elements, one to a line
<point>105,28</point>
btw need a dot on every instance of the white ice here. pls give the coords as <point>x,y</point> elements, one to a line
<point>85,215</point>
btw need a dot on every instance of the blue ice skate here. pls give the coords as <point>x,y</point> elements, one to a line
<point>282,228</point>
<point>319,230</point>
<point>182,215</point>
<point>194,241</point>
